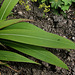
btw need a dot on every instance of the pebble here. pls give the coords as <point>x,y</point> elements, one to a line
<point>73,38</point>
<point>64,36</point>
<point>70,23</point>
<point>68,16</point>
<point>46,64</point>
<point>73,12</point>
<point>46,16</point>
<point>57,18</point>
<point>73,63</point>
<point>20,13</point>
<point>36,72</point>
<point>16,74</point>
<point>24,12</point>
<point>16,5</point>
<point>49,19</point>
<point>73,73</point>
<point>65,21</point>
<point>74,69</point>
<point>69,10</point>
<point>31,17</point>
<point>15,10</point>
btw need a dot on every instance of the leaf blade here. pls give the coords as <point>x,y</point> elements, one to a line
<point>11,56</point>
<point>6,8</point>
<point>37,38</point>
<point>22,25</point>
<point>36,52</point>
<point>7,24</point>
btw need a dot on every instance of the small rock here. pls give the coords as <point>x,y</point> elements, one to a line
<point>73,64</point>
<point>16,74</point>
<point>64,36</point>
<point>46,16</point>
<point>73,38</point>
<point>60,18</point>
<point>57,18</point>
<point>15,10</point>
<point>31,17</point>
<point>69,10</point>
<point>46,64</point>
<point>49,19</point>
<point>20,13</point>
<point>65,21</point>
<point>70,22</point>
<point>73,73</point>
<point>16,5</point>
<point>24,12</point>
<point>68,16</point>
<point>74,21</point>
<point>74,69</point>
<point>69,58</point>
<point>36,72</point>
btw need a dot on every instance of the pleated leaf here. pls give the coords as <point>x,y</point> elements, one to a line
<point>9,23</point>
<point>6,8</point>
<point>11,56</point>
<point>21,25</point>
<point>1,21</point>
<point>37,38</point>
<point>37,52</point>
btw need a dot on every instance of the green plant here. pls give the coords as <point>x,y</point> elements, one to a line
<point>45,4</point>
<point>25,4</point>
<point>63,4</point>
<point>28,39</point>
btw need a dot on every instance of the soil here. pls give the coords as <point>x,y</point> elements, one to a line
<point>51,23</point>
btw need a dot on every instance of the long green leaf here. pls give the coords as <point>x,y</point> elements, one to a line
<point>6,8</point>
<point>37,52</point>
<point>37,38</point>
<point>21,25</point>
<point>9,23</point>
<point>10,56</point>
<point>1,21</point>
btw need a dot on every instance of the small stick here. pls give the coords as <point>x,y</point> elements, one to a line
<point>3,46</point>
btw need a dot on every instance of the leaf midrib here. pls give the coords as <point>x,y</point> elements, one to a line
<point>34,37</point>
<point>6,9</point>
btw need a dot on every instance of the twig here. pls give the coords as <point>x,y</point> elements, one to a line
<point>3,46</point>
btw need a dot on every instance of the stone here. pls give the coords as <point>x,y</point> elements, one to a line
<point>16,74</point>
<point>46,64</point>
<point>15,10</point>
<point>31,17</point>
<point>57,18</point>
<point>74,22</point>
<point>69,10</point>
<point>70,22</point>
<point>36,72</point>
<point>49,19</point>
<point>73,38</point>
<point>74,69</point>
<point>20,13</point>
<point>16,5</point>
